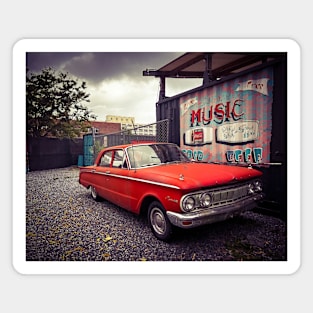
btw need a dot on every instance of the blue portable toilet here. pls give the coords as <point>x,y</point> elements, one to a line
<point>88,150</point>
<point>80,160</point>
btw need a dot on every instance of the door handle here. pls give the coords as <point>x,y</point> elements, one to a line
<point>107,172</point>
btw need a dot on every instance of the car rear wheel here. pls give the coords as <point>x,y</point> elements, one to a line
<point>94,194</point>
<point>158,221</point>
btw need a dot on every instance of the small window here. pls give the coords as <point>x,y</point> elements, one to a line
<point>106,159</point>
<point>119,159</point>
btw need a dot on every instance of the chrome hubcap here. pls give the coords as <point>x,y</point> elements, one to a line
<point>158,221</point>
<point>93,192</point>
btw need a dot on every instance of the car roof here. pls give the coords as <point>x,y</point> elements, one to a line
<point>124,146</point>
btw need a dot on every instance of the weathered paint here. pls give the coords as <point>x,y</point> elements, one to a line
<point>231,121</point>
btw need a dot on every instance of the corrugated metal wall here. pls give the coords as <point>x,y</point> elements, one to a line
<point>169,110</point>
<point>275,176</point>
<point>230,121</point>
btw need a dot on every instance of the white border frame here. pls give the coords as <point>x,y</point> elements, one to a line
<point>155,45</point>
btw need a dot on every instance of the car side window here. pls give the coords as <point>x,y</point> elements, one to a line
<point>119,160</point>
<point>106,159</point>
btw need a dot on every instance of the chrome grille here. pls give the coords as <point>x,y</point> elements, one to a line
<point>229,195</point>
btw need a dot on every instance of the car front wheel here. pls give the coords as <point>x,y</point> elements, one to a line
<point>158,221</point>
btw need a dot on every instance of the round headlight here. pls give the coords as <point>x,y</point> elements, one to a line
<point>189,204</point>
<point>205,199</point>
<point>250,189</point>
<point>257,186</point>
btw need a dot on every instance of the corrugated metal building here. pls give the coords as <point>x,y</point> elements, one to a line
<point>238,115</point>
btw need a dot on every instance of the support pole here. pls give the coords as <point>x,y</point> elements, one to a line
<point>162,88</point>
<point>207,74</point>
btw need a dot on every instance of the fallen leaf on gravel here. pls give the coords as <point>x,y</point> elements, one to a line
<point>107,238</point>
<point>106,255</point>
<point>52,242</point>
<point>67,253</point>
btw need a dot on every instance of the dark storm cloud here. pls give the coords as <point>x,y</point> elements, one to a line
<point>114,79</point>
<point>36,61</point>
<point>97,66</point>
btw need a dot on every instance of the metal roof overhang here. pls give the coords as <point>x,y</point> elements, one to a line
<point>210,66</point>
<point>217,64</point>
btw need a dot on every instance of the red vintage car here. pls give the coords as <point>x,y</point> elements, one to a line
<point>159,180</point>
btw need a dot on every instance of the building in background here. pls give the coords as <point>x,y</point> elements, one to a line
<point>128,123</point>
<point>105,127</point>
<point>123,120</point>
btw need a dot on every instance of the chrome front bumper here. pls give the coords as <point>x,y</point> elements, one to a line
<point>209,216</point>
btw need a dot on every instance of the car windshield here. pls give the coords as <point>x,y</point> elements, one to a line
<point>155,154</point>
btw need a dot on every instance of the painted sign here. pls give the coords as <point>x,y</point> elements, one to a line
<point>229,122</point>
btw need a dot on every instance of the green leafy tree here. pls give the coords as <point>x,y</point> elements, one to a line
<point>55,105</point>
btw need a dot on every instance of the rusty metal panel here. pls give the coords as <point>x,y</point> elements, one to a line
<point>229,122</point>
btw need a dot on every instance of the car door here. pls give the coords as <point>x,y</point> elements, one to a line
<point>114,174</point>
<point>103,170</point>
<point>119,179</point>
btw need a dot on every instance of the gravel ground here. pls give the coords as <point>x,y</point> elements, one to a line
<point>63,223</point>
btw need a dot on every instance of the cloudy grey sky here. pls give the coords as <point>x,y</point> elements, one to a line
<point>114,79</point>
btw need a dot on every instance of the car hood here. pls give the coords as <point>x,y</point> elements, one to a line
<point>195,175</point>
